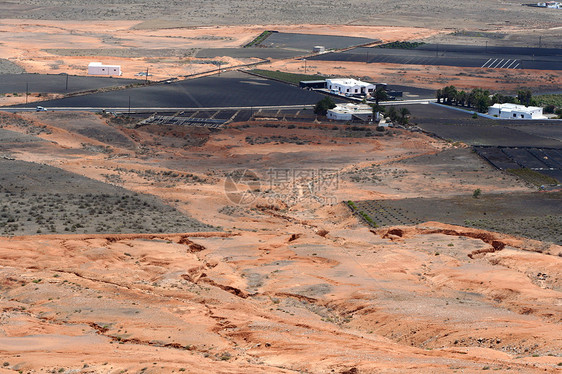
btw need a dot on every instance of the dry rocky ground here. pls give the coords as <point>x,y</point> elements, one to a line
<point>290,284</point>
<point>484,14</point>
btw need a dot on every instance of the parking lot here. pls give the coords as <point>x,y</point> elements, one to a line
<point>454,55</point>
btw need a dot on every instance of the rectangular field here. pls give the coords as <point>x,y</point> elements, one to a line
<point>455,55</point>
<point>533,215</point>
<point>56,83</point>
<point>233,89</point>
<point>306,42</point>
<point>546,161</point>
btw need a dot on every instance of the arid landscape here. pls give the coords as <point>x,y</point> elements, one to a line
<point>277,280</point>
<point>218,225</point>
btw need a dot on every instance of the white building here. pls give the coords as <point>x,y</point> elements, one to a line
<point>514,111</point>
<point>349,111</point>
<point>97,68</point>
<point>349,86</point>
<point>550,4</point>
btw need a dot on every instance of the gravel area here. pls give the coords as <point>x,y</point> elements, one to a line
<point>8,67</point>
<point>40,199</point>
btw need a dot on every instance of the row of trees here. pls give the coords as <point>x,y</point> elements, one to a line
<point>479,99</point>
<point>400,116</point>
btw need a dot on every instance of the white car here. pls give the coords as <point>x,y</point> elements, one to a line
<point>40,109</point>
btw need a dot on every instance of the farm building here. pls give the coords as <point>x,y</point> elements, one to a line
<point>349,86</point>
<point>351,112</point>
<point>97,68</point>
<point>514,111</point>
<point>317,84</point>
<point>550,4</point>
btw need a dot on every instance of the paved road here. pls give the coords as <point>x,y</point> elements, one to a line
<point>188,109</point>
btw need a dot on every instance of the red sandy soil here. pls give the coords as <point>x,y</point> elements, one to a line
<point>24,42</point>
<point>285,288</point>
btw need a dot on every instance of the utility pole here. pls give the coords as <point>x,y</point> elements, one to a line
<point>129,112</point>
<point>304,65</point>
<point>486,46</point>
<point>146,80</point>
<point>26,91</point>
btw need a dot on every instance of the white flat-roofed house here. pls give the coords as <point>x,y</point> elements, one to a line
<point>550,4</point>
<point>97,68</point>
<point>349,112</point>
<point>349,86</point>
<point>515,111</point>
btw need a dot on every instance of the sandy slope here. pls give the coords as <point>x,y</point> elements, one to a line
<point>285,288</point>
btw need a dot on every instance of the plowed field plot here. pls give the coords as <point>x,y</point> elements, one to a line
<point>547,161</point>
<point>56,83</point>
<point>533,215</point>
<point>37,199</point>
<point>274,53</point>
<point>455,55</point>
<point>306,42</point>
<point>460,126</point>
<point>234,89</point>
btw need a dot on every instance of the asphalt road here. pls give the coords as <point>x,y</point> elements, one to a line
<point>56,83</point>
<point>232,89</point>
<point>454,55</point>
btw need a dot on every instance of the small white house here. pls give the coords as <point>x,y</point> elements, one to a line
<point>349,86</point>
<point>349,111</point>
<point>514,111</point>
<point>550,4</point>
<point>97,68</point>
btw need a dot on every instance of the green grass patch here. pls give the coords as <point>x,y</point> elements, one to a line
<point>401,45</point>
<point>533,176</point>
<point>368,219</point>
<point>260,38</point>
<point>287,77</point>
